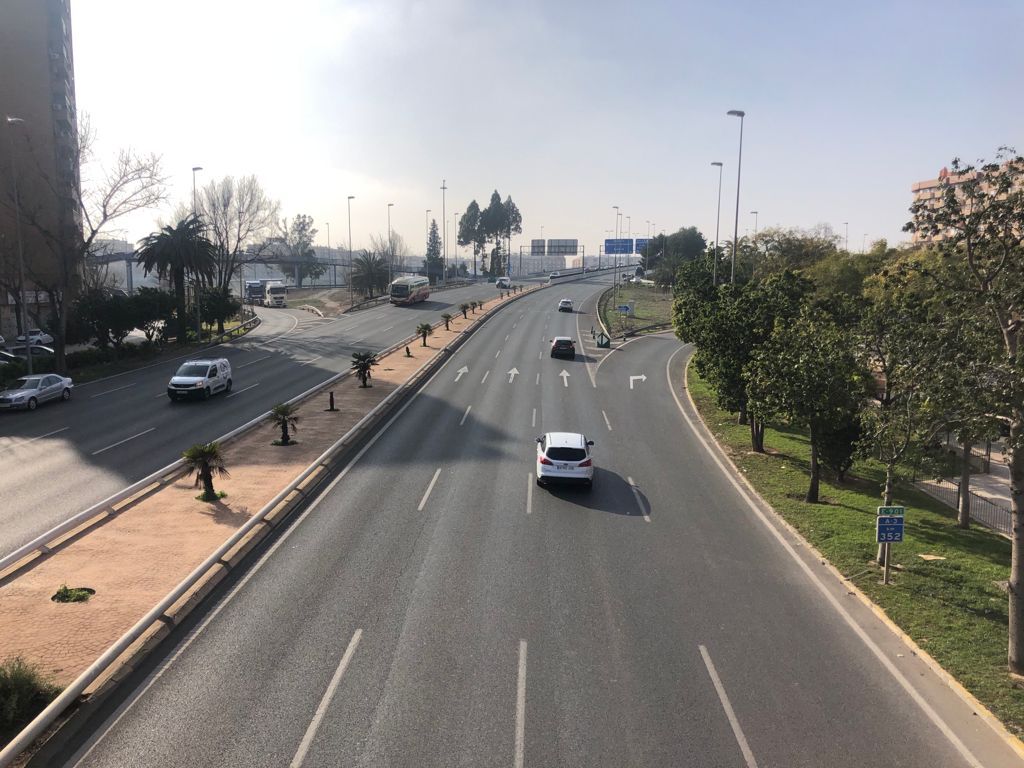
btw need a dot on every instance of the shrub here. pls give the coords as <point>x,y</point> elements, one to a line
<point>24,693</point>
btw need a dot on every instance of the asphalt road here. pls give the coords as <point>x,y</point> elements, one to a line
<point>436,608</point>
<point>65,457</point>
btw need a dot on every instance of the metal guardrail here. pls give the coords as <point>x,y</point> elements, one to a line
<point>46,718</point>
<point>982,510</point>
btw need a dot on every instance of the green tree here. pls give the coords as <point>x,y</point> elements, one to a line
<point>177,253</point>
<point>471,233</point>
<point>976,225</point>
<point>369,273</point>
<point>155,311</point>
<point>296,241</point>
<point>285,416</point>
<point>218,305</point>
<point>806,373</point>
<point>464,308</point>
<point>423,330</point>
<point>434,263</point>
<point>204,460</point>
<point>362,364</point>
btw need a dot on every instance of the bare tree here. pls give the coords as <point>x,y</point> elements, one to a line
<point>102,193</point>
<point>238,217</point>
<point>396,252</point>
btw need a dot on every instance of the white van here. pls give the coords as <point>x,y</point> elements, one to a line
<point>503,282</point>
<point>200,379</point>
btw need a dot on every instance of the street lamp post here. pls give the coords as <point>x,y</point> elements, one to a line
<point>351,289</point>
<point>739,167</point>
<point>846,245</point>
<point>755,222</point>
<point>195,253</point>
<point>718,221</point>
<point>21,253</point>
<point>444,247</point>
<point>391,246</point>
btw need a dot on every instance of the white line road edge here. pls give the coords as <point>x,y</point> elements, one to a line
<point>426,495</point>
<point>307,739</point>
<point>122,442</point>
<point>748,756</point>
<point>917,698</point>
<point>520,706</point>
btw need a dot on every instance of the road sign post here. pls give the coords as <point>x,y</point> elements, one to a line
<point>889,530</point>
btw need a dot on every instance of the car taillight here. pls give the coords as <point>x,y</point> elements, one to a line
<point>585,463</point>
<point>546,460</point>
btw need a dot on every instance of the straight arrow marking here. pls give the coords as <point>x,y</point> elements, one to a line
<point>565,377</point>
<point>512,374</point>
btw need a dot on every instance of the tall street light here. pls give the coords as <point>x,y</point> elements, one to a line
<point>739,167</point>
<point>351,290</point>
<point>21,254</point>
<point>718,221</point>
<point>444,248</point>
<point>755,222</point>
<point>195,253</point>
<point>846,246</point>
<point>391,246</point>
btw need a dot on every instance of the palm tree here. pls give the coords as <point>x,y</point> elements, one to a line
<point>447,319</point>
<point>204,460</point>
<point>362,362</point>
<point>174,253</point>
<point>424,330</point>
<point>285,415</point>
<point>369,271</point>
<point>474,305</point>
<point>464,309</point>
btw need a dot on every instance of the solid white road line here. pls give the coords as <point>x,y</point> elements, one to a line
<point>858,630</point>
<point>122,442</point>
<point>468,409</point>
<point>639,501</point>
<point>307,739</point>
<point>485,377</point>
<point>116,389</point>
<point>520,706</point>
<point>533,421</point>
<point>606,422</point>
<point>529,492</point>
<point>586,361</point>
<point>240,391</point>
<point>748,756</point>
<point>253,362</point>
<point>430,487</point>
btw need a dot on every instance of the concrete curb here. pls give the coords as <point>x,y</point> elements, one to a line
<point>101,689</point>
<point>968,698</point>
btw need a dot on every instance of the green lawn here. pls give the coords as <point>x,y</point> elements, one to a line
<point>651,305</point>
<point>953,608</point>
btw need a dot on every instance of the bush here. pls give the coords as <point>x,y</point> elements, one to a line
<point>24,693</point>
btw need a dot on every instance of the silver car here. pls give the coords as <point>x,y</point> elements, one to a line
<point>29,391</point>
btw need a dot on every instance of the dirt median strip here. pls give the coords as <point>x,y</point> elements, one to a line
<point>135,559</point>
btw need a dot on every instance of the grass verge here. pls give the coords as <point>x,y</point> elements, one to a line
<point>24,693</point>
<point>651,306</point>
<point>955,608</point>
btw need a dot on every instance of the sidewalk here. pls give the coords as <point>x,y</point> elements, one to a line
<point>990,492</point>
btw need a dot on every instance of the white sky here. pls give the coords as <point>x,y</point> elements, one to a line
<point>569,106</point>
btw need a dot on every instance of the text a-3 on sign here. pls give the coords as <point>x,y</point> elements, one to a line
<point>889,525</point>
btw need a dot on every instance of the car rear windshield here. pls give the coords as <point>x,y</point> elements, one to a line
<point>566,454</point>
<point>563,343</point>
<point>192,369</point>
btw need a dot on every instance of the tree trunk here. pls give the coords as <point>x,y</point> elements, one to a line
<point>208,492</point>
<point>963,513</point>
<point>741,418</point>
<point>887,497</point>
<point>179,300</point>
<point>812,489</point>
<point>756,434</point>
<point>285,437</point>
<point>220,325</point>
<point>1016,583</point>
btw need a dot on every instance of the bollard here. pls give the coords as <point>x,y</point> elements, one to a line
<point>332,408</point>
<point>407,352</point>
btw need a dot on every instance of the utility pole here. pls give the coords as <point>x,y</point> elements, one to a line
<point>195,253</point>
<point>444,268</point>
<point>351,289</point>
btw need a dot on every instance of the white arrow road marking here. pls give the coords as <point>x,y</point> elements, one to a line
<point>512,374</point>
<point>642,377</point>
<point>461,371</point>
<point>565,377</point>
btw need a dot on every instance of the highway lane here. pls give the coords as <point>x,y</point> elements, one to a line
<point>64,457</point>
<point>437,608</point>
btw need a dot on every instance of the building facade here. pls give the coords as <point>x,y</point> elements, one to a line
<point>38,150</point>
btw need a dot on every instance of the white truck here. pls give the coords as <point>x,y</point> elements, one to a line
<point>274,294</point>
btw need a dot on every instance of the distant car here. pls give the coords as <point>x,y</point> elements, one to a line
<point>38,350</point>
<point>7,357</point>
<point>29,391</point>
<point>554,275</point>
<point>36,336</point>
<point>565,305</point>
<point>564,457</point>
<point>563,346</point>
<point>200,378</point>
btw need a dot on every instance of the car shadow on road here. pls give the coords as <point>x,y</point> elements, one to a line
<point>611,494</point>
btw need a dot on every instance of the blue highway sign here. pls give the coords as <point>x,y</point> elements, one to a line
<point>622,245</point>
<point>889,529</point>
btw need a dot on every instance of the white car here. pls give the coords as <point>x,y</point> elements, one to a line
<point>36,336</point>
<point>564,457</point>
<point>565,305</point>
<point>200,378</point>
<point>29,391</point>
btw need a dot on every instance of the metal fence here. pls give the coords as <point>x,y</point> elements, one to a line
<point>982,510</point>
